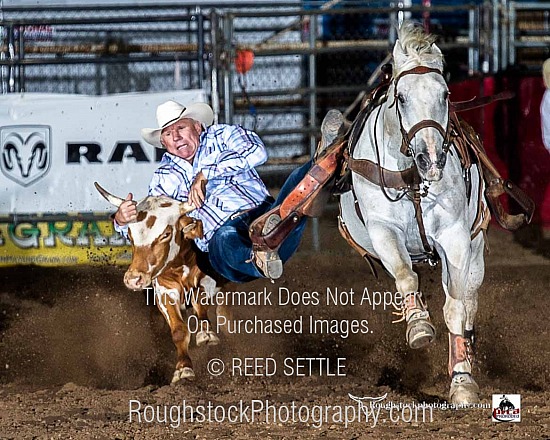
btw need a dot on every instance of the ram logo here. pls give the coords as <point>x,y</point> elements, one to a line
<point>25,152</point>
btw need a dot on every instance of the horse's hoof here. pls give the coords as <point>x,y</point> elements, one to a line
<point>464,390</point>
<point>420,332</point>
<point>206,338</point>
<point>186,373</point>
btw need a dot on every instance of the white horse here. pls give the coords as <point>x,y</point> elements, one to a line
<point>410,201</point>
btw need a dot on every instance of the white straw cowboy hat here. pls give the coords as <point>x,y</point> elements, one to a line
<point>546,73</point>
<point>170,112</point>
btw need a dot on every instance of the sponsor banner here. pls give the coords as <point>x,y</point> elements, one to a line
<point>62,243</point>
<point>52,150</point>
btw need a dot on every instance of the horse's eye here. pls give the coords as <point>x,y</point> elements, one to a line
<point>401,98</point>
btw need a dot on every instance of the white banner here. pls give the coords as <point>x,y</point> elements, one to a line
<point>53,148</point>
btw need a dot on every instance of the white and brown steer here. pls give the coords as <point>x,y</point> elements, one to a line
<point>162,255</point>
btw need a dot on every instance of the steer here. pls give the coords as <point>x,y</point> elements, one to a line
<point>162,255</point>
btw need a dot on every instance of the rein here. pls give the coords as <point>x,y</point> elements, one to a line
<point>382,182</point>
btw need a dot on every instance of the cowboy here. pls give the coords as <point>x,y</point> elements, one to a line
<point>213,168</point>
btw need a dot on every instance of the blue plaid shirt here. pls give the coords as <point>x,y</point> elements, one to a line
<point>227,155</point>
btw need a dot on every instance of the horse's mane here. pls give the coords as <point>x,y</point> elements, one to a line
<point>418,46</point>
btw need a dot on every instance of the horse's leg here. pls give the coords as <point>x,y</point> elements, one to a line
<point>390,248</point>
<point>462,275</point>
<point>477,274</point>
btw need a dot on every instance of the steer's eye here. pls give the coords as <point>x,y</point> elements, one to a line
<point>166,236</point>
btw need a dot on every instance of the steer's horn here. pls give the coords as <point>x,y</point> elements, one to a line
<point>113,200</point>
<point>186,207</point>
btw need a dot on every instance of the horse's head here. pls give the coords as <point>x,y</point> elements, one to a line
<point>419,94</point>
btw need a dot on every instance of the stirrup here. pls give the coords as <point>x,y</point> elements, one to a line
<point>420,331</point>
<point>511,222</point>
<point>269,230</point>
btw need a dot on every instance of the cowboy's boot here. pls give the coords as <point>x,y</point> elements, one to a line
<point>269,231</point>
<point>330,127</point>
<point>264,257</point>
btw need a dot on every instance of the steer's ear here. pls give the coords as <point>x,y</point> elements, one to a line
<point>190,227</point>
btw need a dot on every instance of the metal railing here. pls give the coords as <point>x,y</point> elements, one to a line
<point>103,50</point>
<point>304,64</point>
<point>304,44</point>
<point>528,34</point>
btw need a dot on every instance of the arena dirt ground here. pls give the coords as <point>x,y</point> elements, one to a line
<point>77,350</point>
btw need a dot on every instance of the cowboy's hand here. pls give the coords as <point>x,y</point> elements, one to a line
<point>127,211</point>
<point>198,190</point>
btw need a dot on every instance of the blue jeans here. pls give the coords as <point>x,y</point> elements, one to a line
<point>230,248</point>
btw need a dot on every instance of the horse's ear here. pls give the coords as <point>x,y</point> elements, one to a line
<point>439,56</point>
<point>436,49</point>
<point>399,55</point>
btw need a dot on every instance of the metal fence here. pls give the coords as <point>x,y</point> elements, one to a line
<point>103,52</point>
<point>319,60</point>
<point>527,35</point>
<point>305,60</point>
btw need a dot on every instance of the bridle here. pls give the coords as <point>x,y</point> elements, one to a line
<point>413,190</point>
<point>407,136</point>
